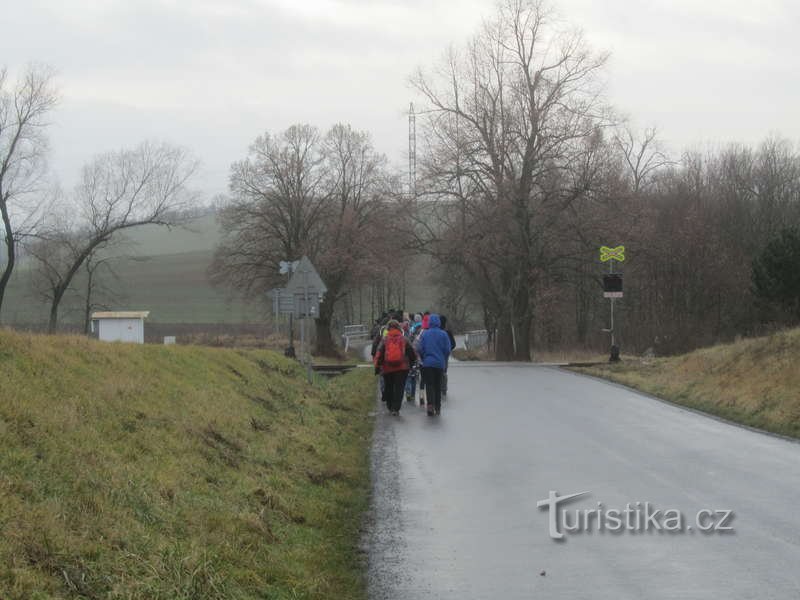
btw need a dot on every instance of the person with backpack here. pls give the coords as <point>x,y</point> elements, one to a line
<point>379,332</point>
<point>411,381</point>
<point>443,327</point>
<point>433,350</point>
<point>449,333</point>
<point>420,331</point>
<point>416,324</point>
<point>394,358</point>
<point>378,336</point>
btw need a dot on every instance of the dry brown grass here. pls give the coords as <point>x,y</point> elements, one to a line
<point>754,381</point>
<point>144,472</point>
<point>569,356</point>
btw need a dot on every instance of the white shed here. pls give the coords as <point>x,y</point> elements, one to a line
<point>121,326</point>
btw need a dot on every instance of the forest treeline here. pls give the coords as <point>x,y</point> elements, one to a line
<point>694,230</point>
<point>526,170</point>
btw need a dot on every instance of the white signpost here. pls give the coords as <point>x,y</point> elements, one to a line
<point>282,302</point>
<point>300,299</point>
<point>307,290</point>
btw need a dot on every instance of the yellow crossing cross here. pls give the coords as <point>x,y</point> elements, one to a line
<point>607,254</point>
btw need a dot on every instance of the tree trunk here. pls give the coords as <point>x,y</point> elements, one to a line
<point>523,318</point>
<point>87,319</point>
<point>52,324</point>
<point>325,343</point>
<point>489,324</point>
<point>504,349</point>
<point>522,329</point>
<point>87,308</point>
<point>583,306</point>
<point>10,252</point>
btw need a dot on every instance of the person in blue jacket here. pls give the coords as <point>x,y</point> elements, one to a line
<point>434,350</point>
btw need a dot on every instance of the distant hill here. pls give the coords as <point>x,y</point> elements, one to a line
<point>165,271</point>
<point>161,270</point>
<point>200,235</point>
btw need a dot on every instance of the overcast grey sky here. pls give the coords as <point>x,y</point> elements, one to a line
<point>212,75</point>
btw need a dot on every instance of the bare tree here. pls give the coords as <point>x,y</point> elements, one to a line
<point>118,191</point>
<point>643,156</point>
<point>360,239</point>
<point>514,139</point>
<point>275,212</point>
<point>51,250</point>
<point>300,193</point>
<point>24,107</point>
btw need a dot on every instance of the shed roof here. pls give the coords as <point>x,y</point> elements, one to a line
<point>122,314</point>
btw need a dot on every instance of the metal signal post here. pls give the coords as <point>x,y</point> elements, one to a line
<point>612,288</point>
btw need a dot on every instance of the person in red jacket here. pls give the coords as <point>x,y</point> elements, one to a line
<point>394,357</point>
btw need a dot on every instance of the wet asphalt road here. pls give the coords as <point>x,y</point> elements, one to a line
<point>454,510</point>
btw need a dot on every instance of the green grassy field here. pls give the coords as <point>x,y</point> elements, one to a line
<point>159,269</point>
<point>173,287</point>
<point>165,271</point>
<point>177,472</point>
<point>755,382</point>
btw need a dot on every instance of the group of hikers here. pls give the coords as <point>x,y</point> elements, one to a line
<point>410,353</point>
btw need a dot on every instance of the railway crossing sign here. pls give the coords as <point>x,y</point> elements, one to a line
<point>287,267</point>
<point>607,254</point>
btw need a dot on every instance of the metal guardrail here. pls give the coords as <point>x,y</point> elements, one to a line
<point>476,339</point>
<point>355,329</point>
<point>351,333</point>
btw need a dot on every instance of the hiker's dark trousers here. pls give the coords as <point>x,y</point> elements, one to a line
<point>394,384</point>
<point>432,377</point>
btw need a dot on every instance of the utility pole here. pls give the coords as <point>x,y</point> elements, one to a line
<point>412,151</point>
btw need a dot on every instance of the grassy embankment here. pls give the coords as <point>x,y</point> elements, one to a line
<point>177,472</point>
<point>755,382</point>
